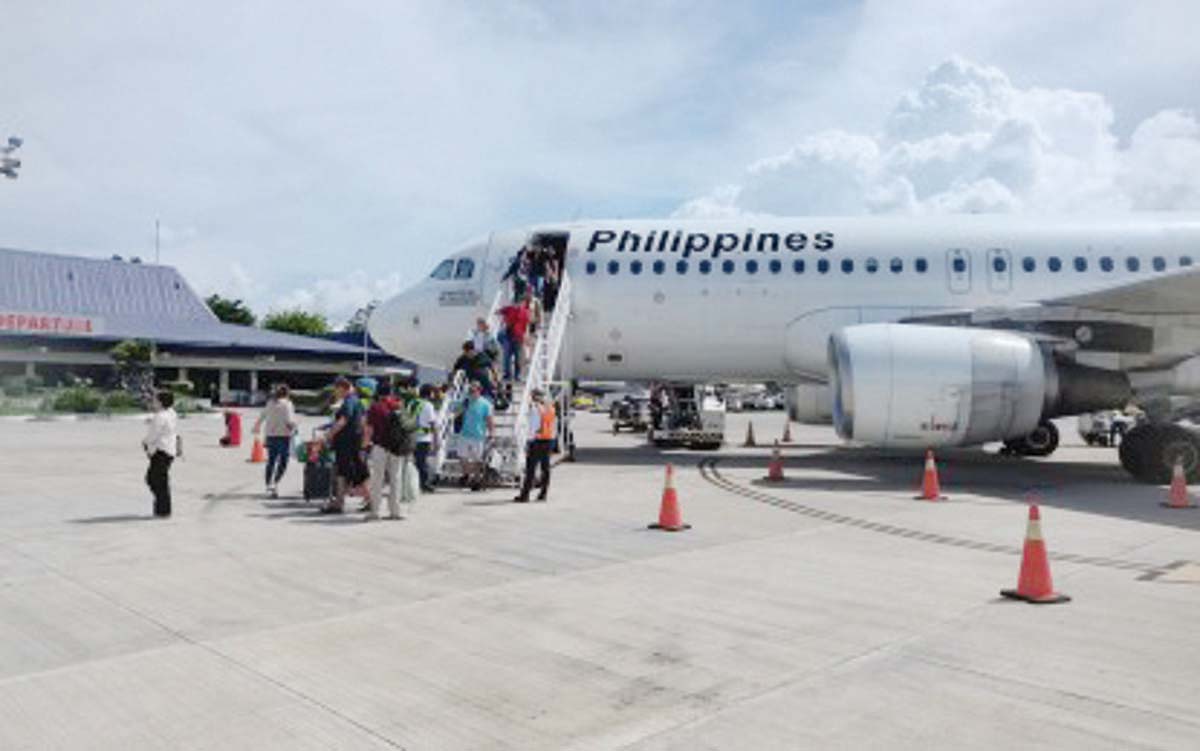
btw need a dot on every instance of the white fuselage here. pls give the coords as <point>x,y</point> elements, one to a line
<point>757,299</point>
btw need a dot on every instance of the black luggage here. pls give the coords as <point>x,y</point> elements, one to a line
<point>318,481</point>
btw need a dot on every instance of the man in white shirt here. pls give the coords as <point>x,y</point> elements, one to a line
<point>426,429</point>
<point>161,444</point>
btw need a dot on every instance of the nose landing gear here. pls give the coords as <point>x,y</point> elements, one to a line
<point>1041,442</point>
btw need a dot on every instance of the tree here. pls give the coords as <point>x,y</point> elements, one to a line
<point>297,321</point>
<point>230,311</point>
<point>135,374</point>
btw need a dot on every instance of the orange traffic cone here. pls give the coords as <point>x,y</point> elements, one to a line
<point>1177,496</point>
<point>750,443</point>
<point>257,454</point>
<point>775,468</point>
<point>931,487</point>
<point>787,431</point>
<point>669,517</point>
<point>1034,584</point>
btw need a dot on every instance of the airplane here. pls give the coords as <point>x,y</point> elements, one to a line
<point>914,332</point>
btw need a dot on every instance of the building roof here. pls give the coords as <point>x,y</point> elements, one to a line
<point>133,300</point>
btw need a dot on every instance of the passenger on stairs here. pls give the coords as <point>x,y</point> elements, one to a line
<point>478,426</point>
<point>516,322</point>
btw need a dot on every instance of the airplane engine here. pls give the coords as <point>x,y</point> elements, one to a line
<point>919,386</point>
<point>810,403</point>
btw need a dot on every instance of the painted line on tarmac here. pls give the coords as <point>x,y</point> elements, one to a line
<point>710,473</point>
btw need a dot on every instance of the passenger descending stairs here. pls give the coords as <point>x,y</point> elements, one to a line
<point>512,426</point>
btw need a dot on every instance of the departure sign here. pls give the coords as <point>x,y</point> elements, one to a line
<point>49,324</point>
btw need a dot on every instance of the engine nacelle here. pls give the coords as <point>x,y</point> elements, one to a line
<point>810,403</point>
<point>920,386</point>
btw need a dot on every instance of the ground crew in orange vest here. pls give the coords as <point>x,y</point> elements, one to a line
<point>542,431</point>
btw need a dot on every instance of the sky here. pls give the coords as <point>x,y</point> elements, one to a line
<point>322,155</point>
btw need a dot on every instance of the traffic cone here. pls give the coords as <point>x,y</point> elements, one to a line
<point>787,431</point>
<point>750,443</point>
<point>669,517</point>
<point>775,468</point>
<point>1177,496</point>
<point>931,487</point>
<point>1034,584</point>
<point>257,454</point>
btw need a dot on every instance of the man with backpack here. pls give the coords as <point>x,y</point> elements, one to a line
<point>391,434</point>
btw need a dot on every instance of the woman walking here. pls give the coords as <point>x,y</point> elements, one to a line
<point>279,419</point>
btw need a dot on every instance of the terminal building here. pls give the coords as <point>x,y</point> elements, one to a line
<point>61,315</point>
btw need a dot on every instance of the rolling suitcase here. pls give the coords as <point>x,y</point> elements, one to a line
<point>318,481</point>
<point>318,469</point>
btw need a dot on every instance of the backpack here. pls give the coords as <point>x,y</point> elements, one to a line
<point>401,437</point>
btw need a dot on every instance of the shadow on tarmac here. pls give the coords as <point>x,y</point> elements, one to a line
<point>1098,487</point>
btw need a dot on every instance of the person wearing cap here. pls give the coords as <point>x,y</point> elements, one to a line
<point>542,431</point>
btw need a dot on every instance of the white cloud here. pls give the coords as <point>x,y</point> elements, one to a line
<point>339,297</point>
<point>968,140</point>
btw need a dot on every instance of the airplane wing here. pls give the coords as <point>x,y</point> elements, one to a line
<point>1174,294</point>
<point>1119,318</point>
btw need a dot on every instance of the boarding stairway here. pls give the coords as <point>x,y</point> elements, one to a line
<point>511,432</point>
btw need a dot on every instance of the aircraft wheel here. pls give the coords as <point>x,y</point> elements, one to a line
<point>1041,442</point>
<point>1149,453</point>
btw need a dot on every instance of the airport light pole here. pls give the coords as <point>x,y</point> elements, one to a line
<point>8,163</point>
<point>363,315</point>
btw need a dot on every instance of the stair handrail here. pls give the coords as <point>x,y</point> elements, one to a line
<point>543,363</point>
<point>458,382</point>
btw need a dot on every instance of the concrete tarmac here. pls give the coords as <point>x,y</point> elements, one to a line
<point>831,610</point>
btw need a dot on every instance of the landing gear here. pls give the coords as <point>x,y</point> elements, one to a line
<point>1149,452</point>
<point>1041,442</point>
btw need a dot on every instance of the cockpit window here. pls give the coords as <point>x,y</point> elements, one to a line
<point>444,270</point>
<point>465,269</point>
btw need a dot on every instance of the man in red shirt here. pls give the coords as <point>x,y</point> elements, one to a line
<point>516,321</point>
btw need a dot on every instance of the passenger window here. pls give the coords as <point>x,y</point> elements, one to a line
<point>921,265</point>
<point>727,266</point>
<point>1160,263</point>
<point>959,265</point>
<point>465,269</point>
<point>1132,263</point>
<point>659,267</point>
<point>897,265</point>
<point>1185,260</point>
<point>1106,264</point>
<point>798,265</point>
<point>444,270</point>
<point>823,266</point>
<point>847,266</point>
<point>613,267</point>
<point>705,266</point>
<point>681,267</point>
<point>635,267</point>
<point>871,265</point>
<point>999,265</point>
<point>1080,263</point>
<point>1054,264</point>
<point>775,265</point>
<point>590,267</point>
<point>751,267</point>
<point>1029,265</point>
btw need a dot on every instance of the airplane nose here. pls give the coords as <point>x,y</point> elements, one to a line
<point>394,326</point>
